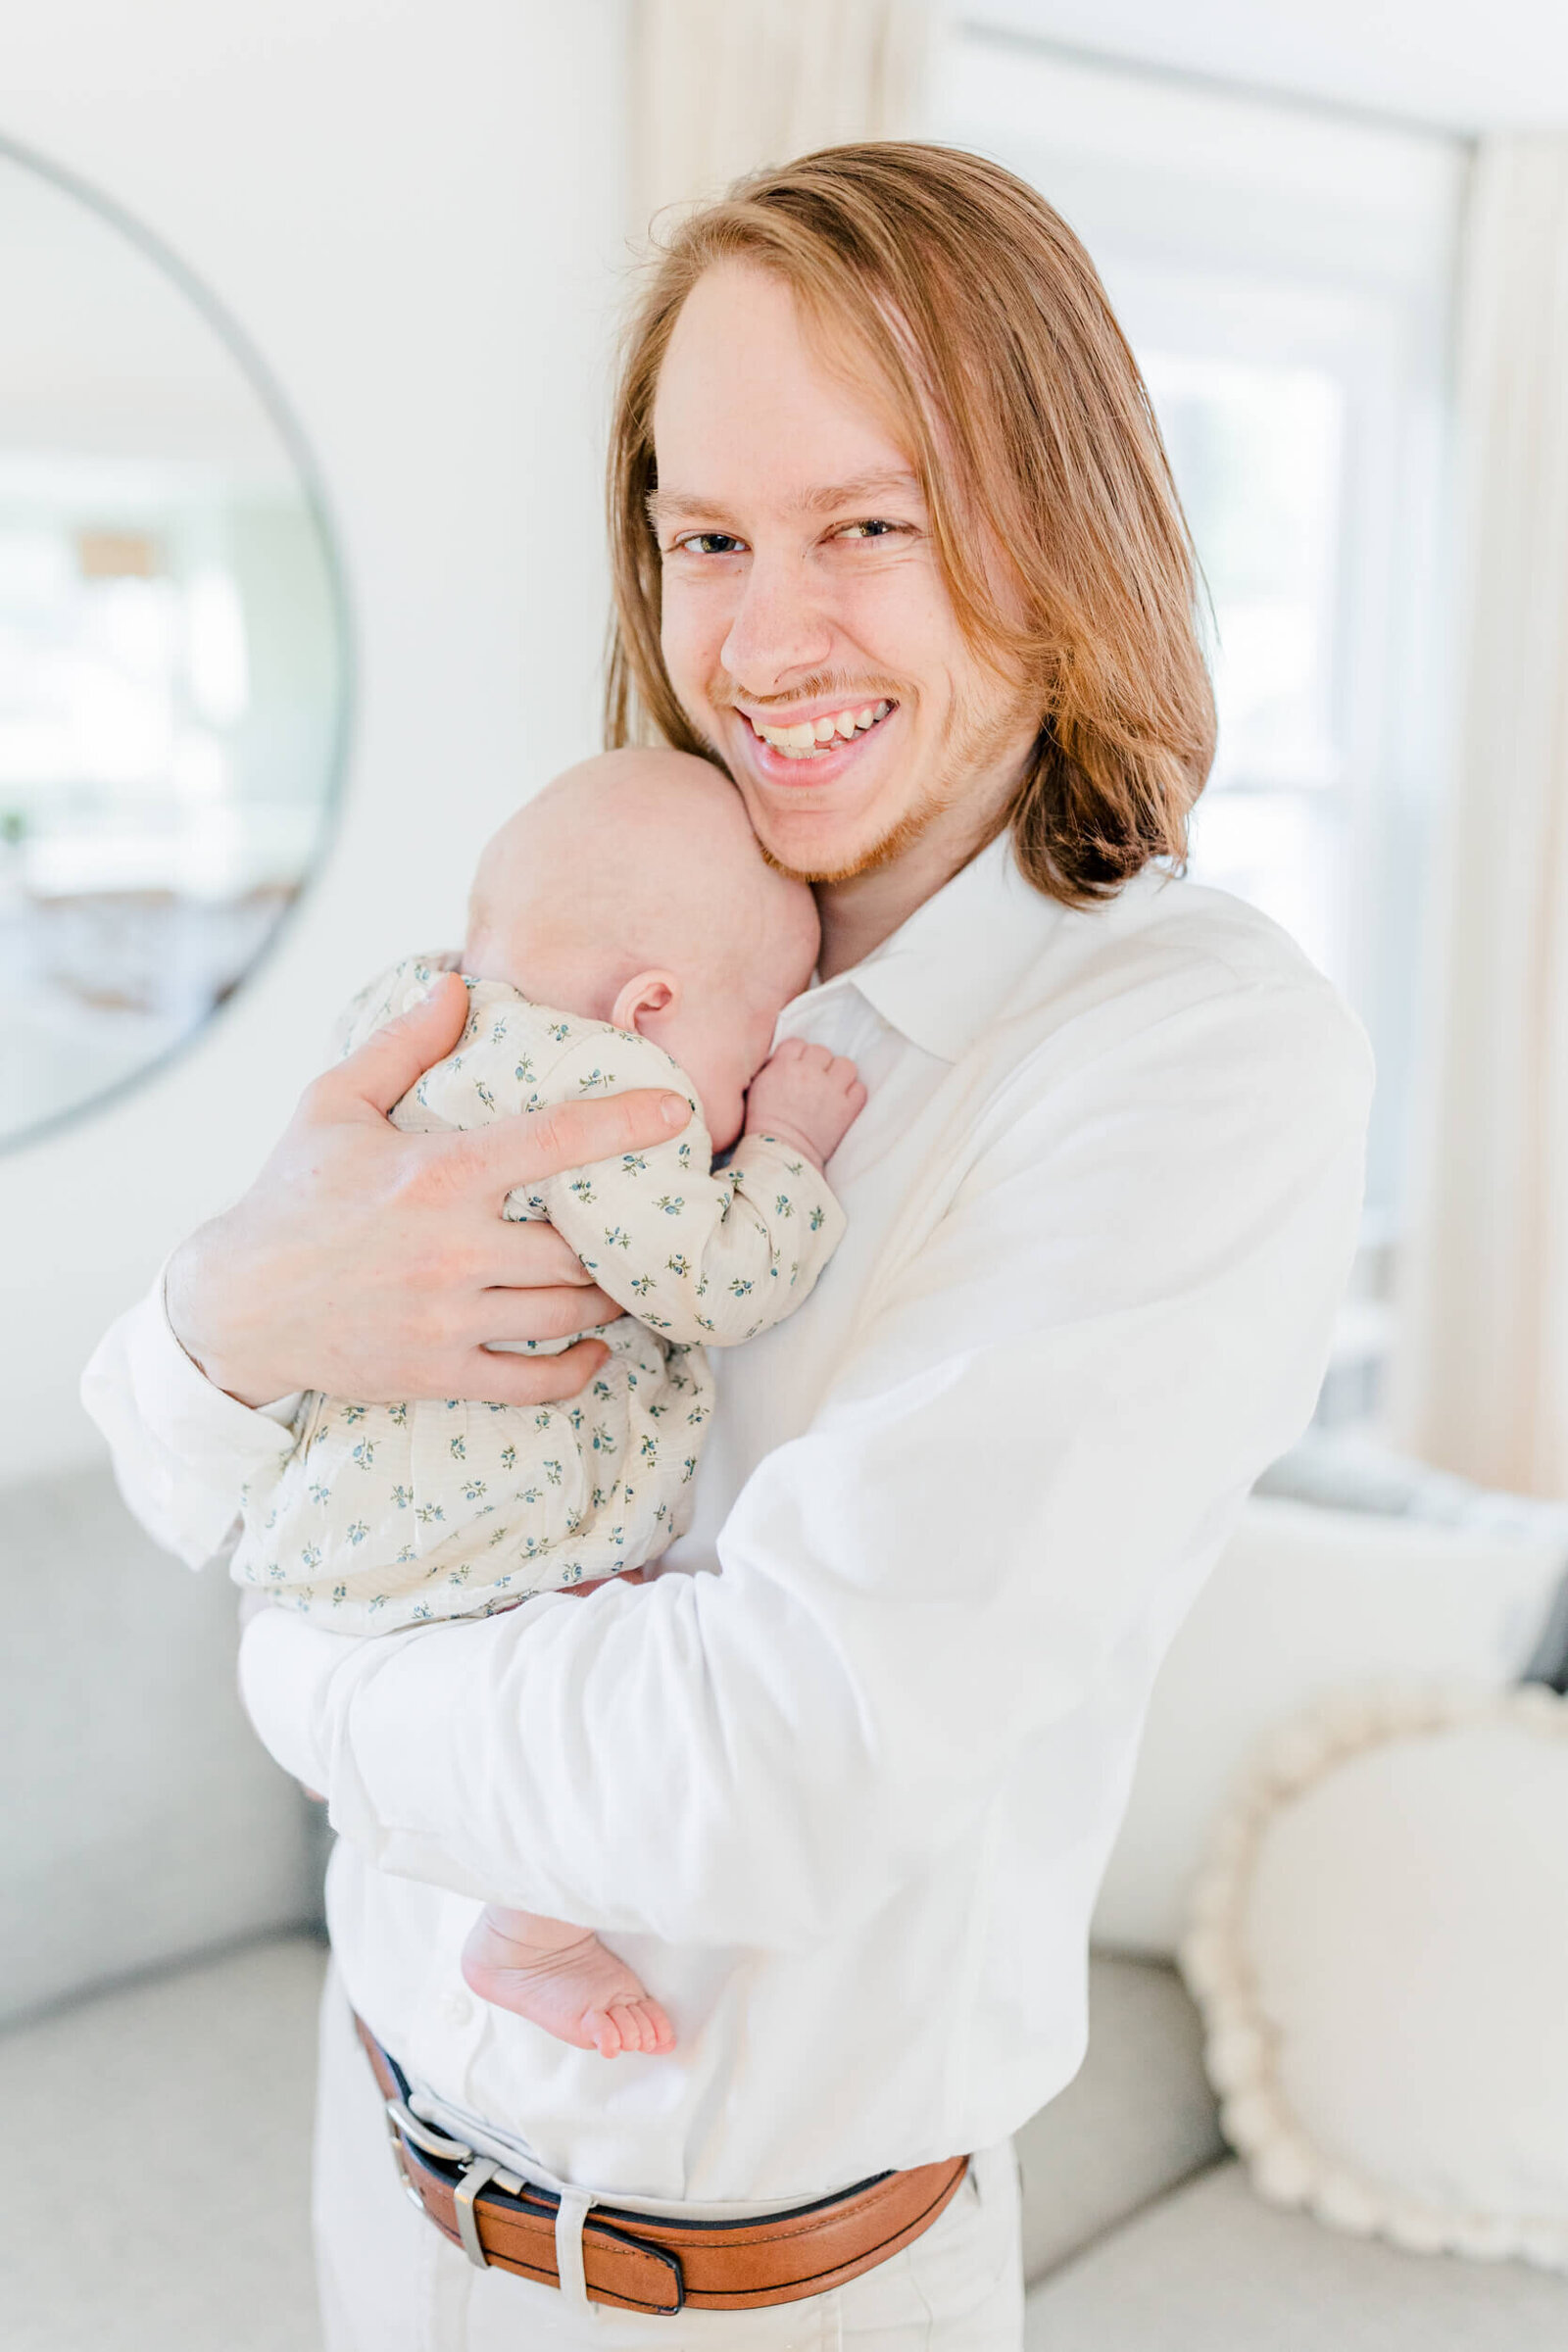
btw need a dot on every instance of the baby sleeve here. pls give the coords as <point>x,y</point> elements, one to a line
<point>392,992</point>
<point>699,1255</point>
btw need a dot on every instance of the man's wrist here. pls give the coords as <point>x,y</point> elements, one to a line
<point>187,1286</point>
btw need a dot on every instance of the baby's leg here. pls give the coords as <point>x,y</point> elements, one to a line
<point>561,1978</point>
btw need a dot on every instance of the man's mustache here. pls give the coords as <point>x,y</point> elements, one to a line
<point>824,684</point>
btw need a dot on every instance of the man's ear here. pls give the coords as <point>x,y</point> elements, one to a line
<point>648,994</point>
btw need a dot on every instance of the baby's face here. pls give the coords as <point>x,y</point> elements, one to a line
<point>721,1042</point>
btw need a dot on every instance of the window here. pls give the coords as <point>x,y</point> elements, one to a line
<point>1284,275</point>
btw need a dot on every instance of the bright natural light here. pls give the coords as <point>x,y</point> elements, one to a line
<point>1286,280</point>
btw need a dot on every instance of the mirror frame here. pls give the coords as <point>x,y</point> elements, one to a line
<point>269,391</point>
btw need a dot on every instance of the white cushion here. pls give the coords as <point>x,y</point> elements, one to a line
<point>1303,1602</point>
<point>1210,2269</point>
<point>143,1821</point>
<point>183,2103</point>
<point>1380,1949</point>
<point>1135,2120</point>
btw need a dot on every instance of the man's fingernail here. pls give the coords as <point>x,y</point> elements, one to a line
<point>675,1109</point>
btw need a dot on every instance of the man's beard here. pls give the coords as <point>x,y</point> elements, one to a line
<point>974,747</point>
<point>892,845</point>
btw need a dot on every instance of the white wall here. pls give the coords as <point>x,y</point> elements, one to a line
<point>415,207</point>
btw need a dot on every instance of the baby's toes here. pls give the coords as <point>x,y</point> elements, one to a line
<point>653,2034</point>
<point>628,2025</point>
<point>603,2028</point>
<point>659,2034</point>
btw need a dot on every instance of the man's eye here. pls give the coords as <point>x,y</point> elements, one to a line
<point>709,543</point>
<point>873,528</point>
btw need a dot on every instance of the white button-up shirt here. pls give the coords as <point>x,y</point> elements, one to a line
<point>844,1806</point>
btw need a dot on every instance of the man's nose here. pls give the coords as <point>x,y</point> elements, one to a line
<point>779,628</point>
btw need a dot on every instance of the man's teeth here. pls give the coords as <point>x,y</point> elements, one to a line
<point>799,742</point>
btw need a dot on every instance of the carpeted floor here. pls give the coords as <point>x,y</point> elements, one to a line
<point>154,2164</point>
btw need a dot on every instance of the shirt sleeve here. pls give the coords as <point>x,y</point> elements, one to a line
<point>698,1253</point>
<point>1062,1389</point>
<point>181,1448</point>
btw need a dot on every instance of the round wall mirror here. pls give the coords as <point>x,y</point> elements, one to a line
<point>174,653</point>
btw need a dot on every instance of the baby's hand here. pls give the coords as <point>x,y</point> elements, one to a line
<point>806,1096</point>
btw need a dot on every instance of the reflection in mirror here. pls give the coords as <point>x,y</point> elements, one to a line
<point>173,655</point>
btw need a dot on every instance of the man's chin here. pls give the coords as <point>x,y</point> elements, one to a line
<point>834,862</point>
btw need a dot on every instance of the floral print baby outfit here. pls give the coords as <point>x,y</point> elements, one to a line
<point>390,1515</point>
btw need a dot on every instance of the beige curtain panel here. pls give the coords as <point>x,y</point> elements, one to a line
<point>1481,1376</point>
<point>721,87</point>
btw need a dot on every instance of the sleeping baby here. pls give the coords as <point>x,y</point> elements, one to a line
<point>624,931</point>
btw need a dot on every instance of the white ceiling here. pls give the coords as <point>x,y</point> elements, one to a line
<point>1467,65</point>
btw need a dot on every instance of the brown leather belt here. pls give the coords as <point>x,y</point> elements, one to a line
<point>637,2261</point>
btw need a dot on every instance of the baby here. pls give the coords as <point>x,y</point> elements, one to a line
<point>623,931</point>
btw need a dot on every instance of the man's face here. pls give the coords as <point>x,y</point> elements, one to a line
<point>803,600</point>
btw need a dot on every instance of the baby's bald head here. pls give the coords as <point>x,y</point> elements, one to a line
<point>637,864</point>
<point>642,858</point>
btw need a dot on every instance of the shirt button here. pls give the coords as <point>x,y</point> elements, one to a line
<point>456,2008</point>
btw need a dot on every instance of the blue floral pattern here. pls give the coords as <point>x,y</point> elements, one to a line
<point>389,1515</point>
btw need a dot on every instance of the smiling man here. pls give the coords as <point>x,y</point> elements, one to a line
<point>895,545</point>
<point>806,629</point>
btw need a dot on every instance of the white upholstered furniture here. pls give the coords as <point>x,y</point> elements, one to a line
<point>186,2091</point>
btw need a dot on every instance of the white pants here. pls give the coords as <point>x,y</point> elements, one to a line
<point>390,2282</point>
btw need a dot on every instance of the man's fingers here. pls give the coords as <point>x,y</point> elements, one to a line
<point>543,1314</point>
<point>388,1063</point>
<point>527,1254</point>
<point>569,1135</point>
<point>492,1379</point>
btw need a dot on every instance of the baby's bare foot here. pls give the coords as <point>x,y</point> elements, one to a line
<point>573,1989</point>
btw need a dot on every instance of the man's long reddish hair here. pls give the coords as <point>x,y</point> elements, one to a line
<point>954,289</point>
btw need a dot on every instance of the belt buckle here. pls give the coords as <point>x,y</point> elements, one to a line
<point>401,2125</point>
<point>391,2110</point>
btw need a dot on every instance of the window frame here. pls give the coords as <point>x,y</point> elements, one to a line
<point>1338,238</point>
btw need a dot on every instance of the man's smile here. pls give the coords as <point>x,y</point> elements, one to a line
<point>806,737</point>
<point>815,744</point>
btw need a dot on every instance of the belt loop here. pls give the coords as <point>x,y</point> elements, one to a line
<point>570,2214</point>
<point>468,2188</point>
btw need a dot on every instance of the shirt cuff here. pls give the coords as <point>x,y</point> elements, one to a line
<point>299,1685</point>
<point>182,1449</point>
<point>285,1670</point>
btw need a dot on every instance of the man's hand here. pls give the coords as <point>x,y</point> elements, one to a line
<point>377,1265</point>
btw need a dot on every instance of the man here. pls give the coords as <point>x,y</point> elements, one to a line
<point>896,543</point>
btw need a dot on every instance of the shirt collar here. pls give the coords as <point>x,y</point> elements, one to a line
<point>948,971</point>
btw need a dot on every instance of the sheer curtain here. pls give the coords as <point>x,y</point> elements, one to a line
<point>721,86</point>
<point>1481,1374</point>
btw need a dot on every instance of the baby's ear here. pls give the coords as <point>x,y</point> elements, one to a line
<point>644,999</point>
